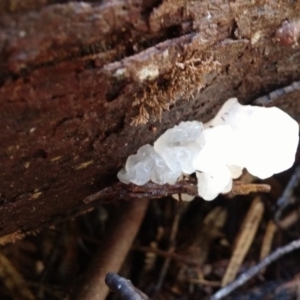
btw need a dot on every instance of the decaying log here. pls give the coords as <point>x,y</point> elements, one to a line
<point>84,84</point>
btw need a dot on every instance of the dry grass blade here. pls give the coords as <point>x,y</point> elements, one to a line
<point>290,219</point>
<point>244,240</point>
<point>13,281</point>
<point>267,240</point>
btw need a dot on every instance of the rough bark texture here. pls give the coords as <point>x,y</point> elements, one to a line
<point>75,78</point>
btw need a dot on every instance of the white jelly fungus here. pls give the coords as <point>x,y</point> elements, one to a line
<point>179,146</point>
<point>262,140</point>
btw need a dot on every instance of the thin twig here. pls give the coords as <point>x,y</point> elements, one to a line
<point>239,188</point>
<point>168,254</point>
<point>275,95</point>
<point>150,190</point>
<point>246,276</point>
<point>203,281</point>
<point>121,191</point>
<point>287,195</point>
<point>124,287</point>
<point>172,247</point>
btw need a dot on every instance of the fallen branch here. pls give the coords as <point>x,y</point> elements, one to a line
<point>111,254</point>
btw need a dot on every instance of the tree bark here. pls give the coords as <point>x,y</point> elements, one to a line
<point>85,84</point>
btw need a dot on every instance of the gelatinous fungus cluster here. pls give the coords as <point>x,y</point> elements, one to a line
<point>262,140</point>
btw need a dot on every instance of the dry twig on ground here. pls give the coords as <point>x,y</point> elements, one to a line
<point>124,287</point>
<point>287,196</point>
<point>152,190</point>
<point>246,276</point>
